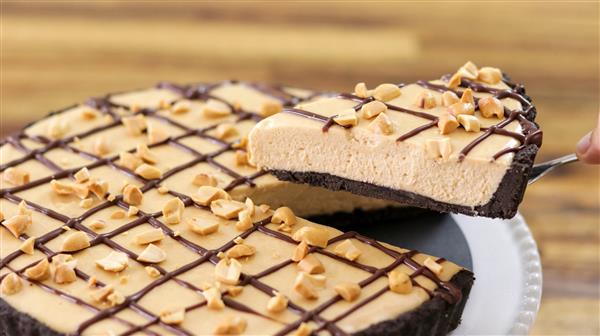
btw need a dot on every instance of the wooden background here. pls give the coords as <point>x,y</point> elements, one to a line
<point>54,54</point>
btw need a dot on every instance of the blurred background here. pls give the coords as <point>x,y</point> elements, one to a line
<point>56,53</point>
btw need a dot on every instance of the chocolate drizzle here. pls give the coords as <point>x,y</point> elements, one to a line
<point>532,135</point>
<point>200,92</point>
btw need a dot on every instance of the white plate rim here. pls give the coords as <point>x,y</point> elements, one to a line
<point>528,259</point>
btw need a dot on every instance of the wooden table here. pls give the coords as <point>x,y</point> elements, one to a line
<point>54,54</point>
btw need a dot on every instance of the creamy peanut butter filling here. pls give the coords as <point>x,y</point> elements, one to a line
<point>420,138</point>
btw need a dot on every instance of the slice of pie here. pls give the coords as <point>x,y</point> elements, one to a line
<point>464,143</point>
<point>205,264</point>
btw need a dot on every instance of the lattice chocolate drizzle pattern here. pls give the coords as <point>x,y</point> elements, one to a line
<point>445,290</point>
<point>531,133</point>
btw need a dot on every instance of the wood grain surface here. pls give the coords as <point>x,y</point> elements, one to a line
<point>56,53</point>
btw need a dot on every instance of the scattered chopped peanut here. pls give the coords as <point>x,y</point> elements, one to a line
<point>101,294</point>
<point>277,303</point>
<point>143,152</point>
<point>205,180</point>
<point>203,226</point>
<point>156,135</point>
<point>300,251</point>
<point>149,236</point>
<point>16,176</point>
<point>461,108</point>
<point>40,271</point>
<point>426,100</point>
<point>118,214</point>
<point>447,123</point>
<point>241,158</point>
<point>372,109</point>
<point>234,290</point>
<point>231,325</point>
<point>449,98</point>
<point>98,188</point>
<point>113,262</point>
<point>152,272</point>
<point>206,194</point>
<point>17,224</point>
<point>132,195</point>
<point>152,254</point>
<point>240,250</point>
<point>115,298</point>
<point>467,97</point>
<point>490,75</point>
<point>11,284</point>
<point>225,130</point>
<point>129,161</point>
<point>468,71</point>
<point>361,91</point>
<point>227,209</point>
<point>28,245</point>
<point>284,215</point>
<point>469,122</point>
<point>64,272</point>
<point>491,107</point>
<point>173,316</point>
<point>173,210</point>
<point>303,330</point>
<point>382,125</point>
<point>75,241</point>
<point>148,172</point>
<point>386,92</point>
<point>433,266</point>
<point>312,236</point>
<point>347,118</point>
<point>89,114</point>
<point>181,107</point>
<point>348,250</point>
<point>213,298</point>
<point>132,211</point>
<point>228,271</point>
<point>215,109</point>
<point>162,190</point>
<point>86,203</point>
<point>269,108</point>
<point>135,125</point>
<point>305,287</point>
<point>454,81</point>
<point>101,146</point>
<point>97,224</point>
<point>349,291</point>
<point>399,282</point>
<point>311,265</point>
<point>244,220</point>
<point>57,128</point>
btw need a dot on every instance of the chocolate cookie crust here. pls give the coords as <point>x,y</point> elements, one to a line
<point>434,317</point>
<point>503,204</point>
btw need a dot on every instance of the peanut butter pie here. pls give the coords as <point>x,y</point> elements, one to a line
<point>464,143</point>
<point>188,136</point>
<point>109,249</point>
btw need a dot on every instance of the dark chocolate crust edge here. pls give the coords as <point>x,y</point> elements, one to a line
<point>503,204</point>
<point>435,317</point>
<point>15,323</point>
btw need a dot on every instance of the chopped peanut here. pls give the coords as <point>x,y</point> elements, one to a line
<point>113,262</point>
<point>467,97</point>
<point>300,251</point>
<point>143,152</point>
<point>132,195</point>
<point>433,266</point>
<point>490,75</point>
<point>225,130</point>
<point>491,107</point>
<point>227,209</point>
<point>28,245</point>
<point>399,282</point>
<point>11,284</point>
<point>231,325</point>
<point>149,236</point>
<point>135,125</point>
<point>386,92</point>
<point>311,265</point>
<point>269,108</point>
<point>469,122</point>
<point>277,303</point>
<point>17,224</point>
<point>180,107</point>
<point>240,250</point>
<point>16,176</point>
<point>203,226</point>
<point>173,210</point>
<point>215,109</point>
<point>454,81</point>
<point>173,317</point>
<point>206,194</point>
<point>449,98</point>
<point>349,291</point>
<point>426,100</point>
<point>213,298</point>
<point>152,254</point>
<point>447,123</point>
<point>129,161</point>
<point>205,180</point>
<point>40,271</point>
<point>75,241</point>
<point>461,108</point>
<point>382,124</point>
<point>148,172</point>
<point>228,271</point>
<point>372,109</point>
<point>347,118</point>
<point>312,236</point>
<point>361,91</point>
<point>348,250</point>
<point>468,71</point>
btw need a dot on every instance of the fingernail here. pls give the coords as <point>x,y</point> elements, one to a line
<point>584,144</point>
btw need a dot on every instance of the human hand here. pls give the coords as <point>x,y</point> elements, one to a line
<point>588,148</point>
